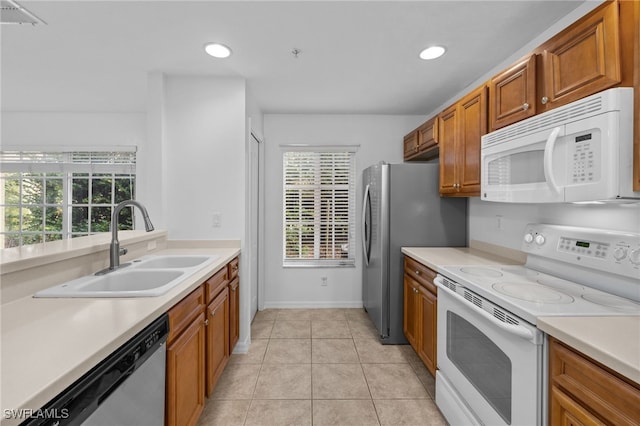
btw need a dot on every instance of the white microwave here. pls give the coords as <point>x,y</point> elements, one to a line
<point>580,152</point>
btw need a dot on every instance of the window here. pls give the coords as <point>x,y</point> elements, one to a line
<point>319,208</point>
<point>50,196</point>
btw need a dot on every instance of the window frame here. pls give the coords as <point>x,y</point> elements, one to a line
<point>319,221</point>
<point>66,164</point>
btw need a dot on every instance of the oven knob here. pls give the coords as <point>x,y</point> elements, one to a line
<point>528,238</point>
<point>634,257</point>
<point>540,240</point>
<point>620,253</point>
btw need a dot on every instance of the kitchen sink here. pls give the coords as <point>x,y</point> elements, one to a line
<point>172,261</point>
<point>148,276</point>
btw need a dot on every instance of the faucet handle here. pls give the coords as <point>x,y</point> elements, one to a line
<point>123,251</point>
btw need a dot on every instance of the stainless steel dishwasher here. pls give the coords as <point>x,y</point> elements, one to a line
<point>125,389</point>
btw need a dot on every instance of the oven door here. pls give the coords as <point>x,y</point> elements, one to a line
<point>525,169</point>
<point>493,369</point>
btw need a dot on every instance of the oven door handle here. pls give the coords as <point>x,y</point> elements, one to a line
<point>509,328</point>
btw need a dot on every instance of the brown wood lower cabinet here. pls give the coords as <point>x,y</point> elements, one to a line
<point>234,317</point>
<point>583,392</point>
<point>185,361</point>
<point>420,311</point>
<point>203,328</point>
<point>217,338</point>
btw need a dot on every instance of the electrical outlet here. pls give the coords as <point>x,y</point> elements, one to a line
<point>216,219</point>
<point>323,281</point>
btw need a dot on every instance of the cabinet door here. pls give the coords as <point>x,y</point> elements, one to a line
<point>410,145</point>
<point>234,313</point>
<point>185,375</point>
<point>447,127</point>
<point>512,94</point>
<point>636,77</point>
<point>583,59</point>
<point>410,319</point>
<point>565,411</point>
<point>217,338</point>
<point>473,124</point>
<point>428,136</point>
<point>427,314</point>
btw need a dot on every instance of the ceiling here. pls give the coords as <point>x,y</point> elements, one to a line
<point>356,57</point>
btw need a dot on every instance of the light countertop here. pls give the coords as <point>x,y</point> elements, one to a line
<point>612,341</point>
<point>437,257</point>
<point>47,344</point>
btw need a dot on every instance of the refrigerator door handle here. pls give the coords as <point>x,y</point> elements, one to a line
<point>366,227</point>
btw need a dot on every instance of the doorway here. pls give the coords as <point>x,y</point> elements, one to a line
<point>254,220</point>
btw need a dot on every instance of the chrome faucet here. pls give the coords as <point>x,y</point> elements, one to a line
<point>114,248</point>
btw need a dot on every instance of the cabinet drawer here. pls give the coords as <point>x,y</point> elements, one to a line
<point>422,274</point>
<point>233,268</point>
<point>605,394</point>
<point>183,313</point>
<point>216,283</point>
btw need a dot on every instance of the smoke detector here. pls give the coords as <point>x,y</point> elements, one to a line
<point>12,13</point>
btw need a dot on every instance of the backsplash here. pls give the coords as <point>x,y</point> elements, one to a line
<point>503,224</point>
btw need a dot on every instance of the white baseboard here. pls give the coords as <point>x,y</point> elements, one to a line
<point>311,305</point>
<point>241,347</point>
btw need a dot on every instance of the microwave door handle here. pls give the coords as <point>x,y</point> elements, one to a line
<point>548,160</point>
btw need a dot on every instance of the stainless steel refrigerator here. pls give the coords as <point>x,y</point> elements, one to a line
<point>402,208</point>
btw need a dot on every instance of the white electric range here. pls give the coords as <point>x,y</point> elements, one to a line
<point>491,357</point>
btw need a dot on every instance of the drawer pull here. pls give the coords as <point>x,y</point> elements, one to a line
<point>206,322</point>
<point>213,313</point>
<point>417,272</point>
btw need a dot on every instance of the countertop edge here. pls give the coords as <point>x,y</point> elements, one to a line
<point>555,327</point>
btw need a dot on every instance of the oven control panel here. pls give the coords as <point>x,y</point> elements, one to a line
<point>608,251</point>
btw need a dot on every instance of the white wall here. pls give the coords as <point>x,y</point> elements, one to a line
<point>78,129</point>
<point>204,164</point>
<point>380,138</point>
<point>484,215</point>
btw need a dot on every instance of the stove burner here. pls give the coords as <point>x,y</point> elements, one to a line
<point>560,284</point>
<point>481,272</point>
<point>532,292</point>
<point>611,301</point>
<point>519,270</point>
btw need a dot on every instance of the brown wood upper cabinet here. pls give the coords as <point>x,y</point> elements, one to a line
<point>422,144</point>
<point>512,94</point>
<point>460,128</point>
<point>583,59</point>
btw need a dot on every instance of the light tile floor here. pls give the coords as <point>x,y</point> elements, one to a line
<point>321,367</point>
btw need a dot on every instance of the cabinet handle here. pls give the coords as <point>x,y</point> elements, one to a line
<point>544,100</point>
<point>417,272</point>
<point>525,106</point>
<point>213,313</point>
<point>206,322</point>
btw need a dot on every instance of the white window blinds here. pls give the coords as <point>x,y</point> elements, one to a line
<point>319,208</point>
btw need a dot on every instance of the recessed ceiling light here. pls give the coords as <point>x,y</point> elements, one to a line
<point>432,52</point>
<point>217,50</point>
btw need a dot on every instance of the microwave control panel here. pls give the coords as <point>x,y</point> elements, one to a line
<point>585,156</point>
